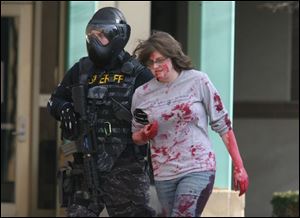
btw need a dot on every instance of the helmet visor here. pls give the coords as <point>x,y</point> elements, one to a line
<point>103,33</point>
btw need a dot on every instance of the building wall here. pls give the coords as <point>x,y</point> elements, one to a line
<point>263,53</point>
<point>263,74</point>
<point>270,149</point>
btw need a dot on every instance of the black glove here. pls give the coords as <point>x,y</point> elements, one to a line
<point>70,125</point>
<point>140,116</point>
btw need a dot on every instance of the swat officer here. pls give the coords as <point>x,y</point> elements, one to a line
<point>110,76</point>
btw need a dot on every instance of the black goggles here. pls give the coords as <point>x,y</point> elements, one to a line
<point>109,31</point>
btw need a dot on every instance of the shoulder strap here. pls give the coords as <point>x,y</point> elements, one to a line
<point>85,69</point>
<point>132,67</point>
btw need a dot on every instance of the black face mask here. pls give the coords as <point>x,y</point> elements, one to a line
<point>100,55</point>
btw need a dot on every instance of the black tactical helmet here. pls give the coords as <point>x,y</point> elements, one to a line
<point>110,23</point>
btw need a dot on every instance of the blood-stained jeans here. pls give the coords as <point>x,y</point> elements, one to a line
<point>185,196</point>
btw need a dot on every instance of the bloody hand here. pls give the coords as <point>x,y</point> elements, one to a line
<point>150,131</point>
<point>241,181</point>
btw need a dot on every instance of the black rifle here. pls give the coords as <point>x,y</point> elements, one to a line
<point>80,182</point>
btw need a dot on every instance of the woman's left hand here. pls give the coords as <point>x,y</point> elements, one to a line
<point>241,180</point>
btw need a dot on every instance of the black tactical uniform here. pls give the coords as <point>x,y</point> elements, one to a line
<point>111,76</point>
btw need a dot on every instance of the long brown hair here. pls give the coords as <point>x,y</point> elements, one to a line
<point>165,44</point>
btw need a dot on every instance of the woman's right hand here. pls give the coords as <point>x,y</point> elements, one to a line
<point>142,136</point>
<point>150,131</point>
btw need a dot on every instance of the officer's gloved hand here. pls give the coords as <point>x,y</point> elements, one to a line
<point>140,116</point>
<point>69,122</point>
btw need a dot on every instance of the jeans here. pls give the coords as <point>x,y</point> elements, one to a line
<point>185,196</point>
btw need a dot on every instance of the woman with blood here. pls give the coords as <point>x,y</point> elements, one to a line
<point>173,111</point>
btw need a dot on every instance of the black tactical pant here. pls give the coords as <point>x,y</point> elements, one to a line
<point>124,192</point>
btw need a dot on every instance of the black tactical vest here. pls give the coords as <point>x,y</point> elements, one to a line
<point>109,95</point>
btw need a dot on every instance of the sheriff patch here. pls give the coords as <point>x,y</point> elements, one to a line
<point>106,78</point>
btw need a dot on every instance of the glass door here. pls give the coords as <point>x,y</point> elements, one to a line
<point>15,107</point>
<point>8,108</point>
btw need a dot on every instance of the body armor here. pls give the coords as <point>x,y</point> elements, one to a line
<point>107,92</point>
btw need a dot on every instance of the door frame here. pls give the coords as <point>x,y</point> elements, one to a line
<point>23,12</point>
